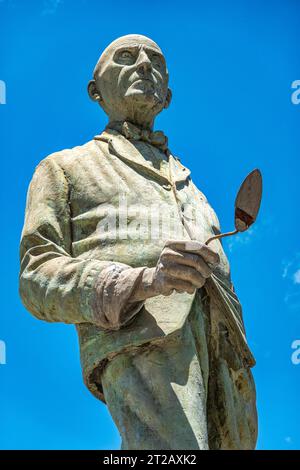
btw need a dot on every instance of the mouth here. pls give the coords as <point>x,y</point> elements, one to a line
<point>142,86</point>
<point>143,80</point>
<point>145,85</point>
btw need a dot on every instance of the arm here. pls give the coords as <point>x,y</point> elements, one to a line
<point>56,287</point>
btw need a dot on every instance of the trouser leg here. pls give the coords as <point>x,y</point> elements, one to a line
<point>157,397</point>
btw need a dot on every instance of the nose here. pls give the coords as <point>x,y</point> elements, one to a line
<point>143,63</point>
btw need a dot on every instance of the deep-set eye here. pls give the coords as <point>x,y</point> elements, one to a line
<point>157,61</point>
<point>125,57</point>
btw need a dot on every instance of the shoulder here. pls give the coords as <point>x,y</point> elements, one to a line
<point>66,157</point>
<point>70,163</point>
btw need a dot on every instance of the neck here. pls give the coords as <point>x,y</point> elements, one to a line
<point>137,111</point>
<point>142,121</point>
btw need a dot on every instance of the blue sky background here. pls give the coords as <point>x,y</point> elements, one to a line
<point>231,67</point>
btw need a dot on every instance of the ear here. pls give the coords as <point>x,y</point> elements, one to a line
<point>93,92</point>
<point>168,98</point>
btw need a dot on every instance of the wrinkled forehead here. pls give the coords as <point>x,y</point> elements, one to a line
<point>131,40</point>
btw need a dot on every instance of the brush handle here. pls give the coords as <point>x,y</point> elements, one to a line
<point>221,235</point>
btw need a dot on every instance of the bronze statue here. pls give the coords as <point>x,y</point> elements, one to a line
<point>114,242</point>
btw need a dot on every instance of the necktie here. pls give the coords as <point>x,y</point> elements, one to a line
<point>133,132</point>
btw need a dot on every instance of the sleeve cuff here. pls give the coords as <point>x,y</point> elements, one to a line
<point>110,303</point>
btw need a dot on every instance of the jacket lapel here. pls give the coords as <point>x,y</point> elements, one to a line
<point>121,147</point>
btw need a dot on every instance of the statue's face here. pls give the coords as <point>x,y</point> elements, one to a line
<point>132,73</point>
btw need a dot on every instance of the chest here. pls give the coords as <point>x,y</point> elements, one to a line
<point>122,209</point>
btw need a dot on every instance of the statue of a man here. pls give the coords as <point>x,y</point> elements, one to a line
<point>161,334</point>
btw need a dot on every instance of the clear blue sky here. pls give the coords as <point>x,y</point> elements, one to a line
<point>231,67</point>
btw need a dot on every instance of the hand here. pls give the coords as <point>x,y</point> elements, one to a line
<point>183,266</point>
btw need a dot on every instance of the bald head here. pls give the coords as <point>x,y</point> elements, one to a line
<point>131,80</point>
<point>128,40</point>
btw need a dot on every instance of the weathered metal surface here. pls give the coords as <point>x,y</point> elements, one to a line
<point>248,201</point>
<point>247,204</point>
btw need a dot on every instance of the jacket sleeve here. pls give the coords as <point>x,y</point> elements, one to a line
<point>56,287</point>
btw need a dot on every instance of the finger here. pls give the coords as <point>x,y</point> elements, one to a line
<point>188,259</point>
<point>196,262</point>
<point>185,273</point>
<point>209,255</point>
<point>179,286</point>
<point>193,246</point>
<point>184,245</point>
